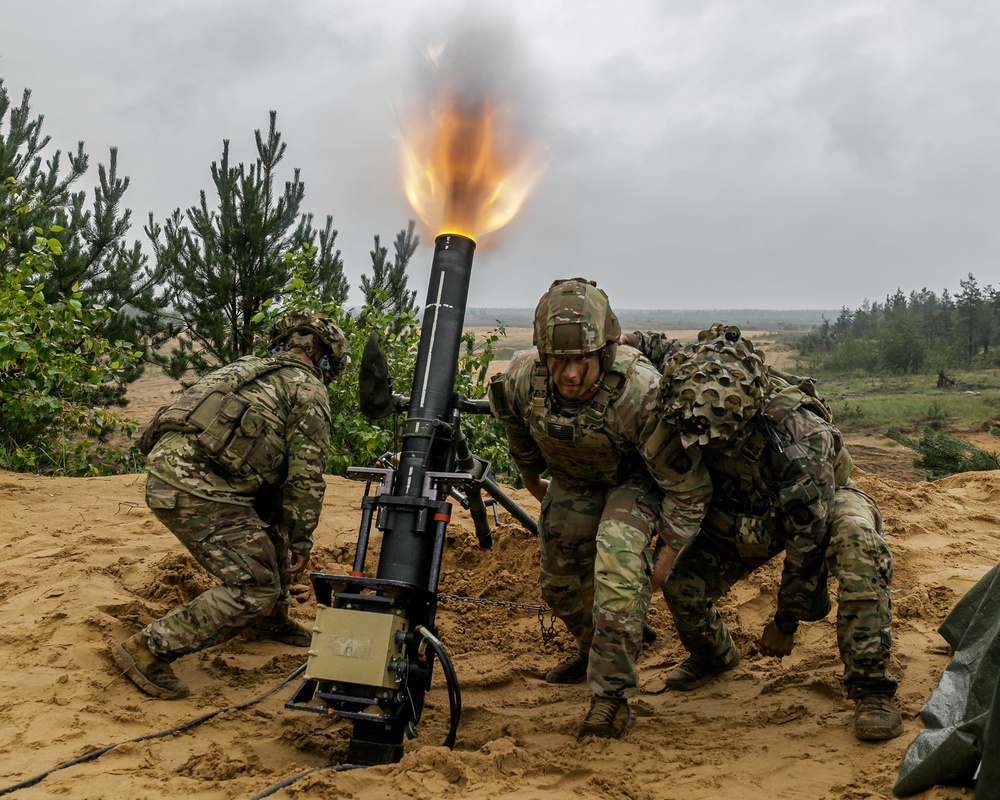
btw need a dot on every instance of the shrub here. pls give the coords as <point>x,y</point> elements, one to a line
<point>54,369</point>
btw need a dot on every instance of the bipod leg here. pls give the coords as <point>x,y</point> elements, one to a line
<point>510,505</point>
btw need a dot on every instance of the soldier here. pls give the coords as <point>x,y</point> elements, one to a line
<point>236,473</point>
<point>578,405</point>
<point>766,449</point>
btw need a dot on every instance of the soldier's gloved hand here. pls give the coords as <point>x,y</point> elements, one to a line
<point>775,643</point>
<point>663,562</point>
<point>297,563</point>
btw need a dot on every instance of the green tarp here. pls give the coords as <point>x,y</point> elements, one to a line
<point>961,735</point>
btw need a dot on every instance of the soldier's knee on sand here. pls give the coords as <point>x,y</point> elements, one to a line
<point>261,598</point>
<point>680,596</point>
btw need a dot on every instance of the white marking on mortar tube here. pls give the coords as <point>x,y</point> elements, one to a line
<point>430,349</point>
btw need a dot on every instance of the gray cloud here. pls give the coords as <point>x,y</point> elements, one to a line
<point>738,153</point>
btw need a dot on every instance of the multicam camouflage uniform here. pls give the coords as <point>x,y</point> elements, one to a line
<point>784,484</point>
<point>657,347</point>
<point>601,506</point>
<point>241,525</point>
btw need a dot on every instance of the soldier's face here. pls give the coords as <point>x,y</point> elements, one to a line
<point>575,377</point>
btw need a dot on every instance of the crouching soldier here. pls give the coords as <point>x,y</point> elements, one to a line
<point>778,474</point>
<point>236,473</point>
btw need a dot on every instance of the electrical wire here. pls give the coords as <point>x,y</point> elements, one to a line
<point>289,781</point>
<point>451,680</point>
<point>159,735</point>
<point>454,704</point>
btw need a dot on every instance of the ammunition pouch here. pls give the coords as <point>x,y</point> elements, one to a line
<point>230,432</point>
<point>748,533</point>
<point>235,436</point>
<point>753,535</point>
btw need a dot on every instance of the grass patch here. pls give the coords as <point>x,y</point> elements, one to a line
<point>910,402</point>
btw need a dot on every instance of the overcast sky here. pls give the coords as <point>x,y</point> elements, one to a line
<point>732,154</point>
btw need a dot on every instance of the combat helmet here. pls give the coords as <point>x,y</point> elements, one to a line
<point>297,329</point>
<point>574,318</point>
<point>714,387</point>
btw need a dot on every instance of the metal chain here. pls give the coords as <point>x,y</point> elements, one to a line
<point>548,630</point>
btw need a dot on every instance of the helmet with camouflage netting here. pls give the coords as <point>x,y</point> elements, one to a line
<point>305,330</point>
<point>574,318</point>
<point>714,387</point>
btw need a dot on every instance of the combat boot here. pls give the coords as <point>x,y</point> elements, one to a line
<point>876,718</point>
<point>571,670</point>
<point>608,718</point>
<point>151,674</point>
<point>280,628</point>
<point>689,674</point>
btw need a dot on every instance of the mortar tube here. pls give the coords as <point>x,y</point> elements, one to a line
<point>407,552</point>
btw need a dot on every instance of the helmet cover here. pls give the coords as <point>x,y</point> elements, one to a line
<point>574,318</point>
<point>296,329</point>
<point>712,388</point>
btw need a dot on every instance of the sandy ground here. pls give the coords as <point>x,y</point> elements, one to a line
<point>83,564</point>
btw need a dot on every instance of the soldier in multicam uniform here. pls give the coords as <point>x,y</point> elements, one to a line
<point>778,474</point>
<point>236,473</point>
<point>578,405</point>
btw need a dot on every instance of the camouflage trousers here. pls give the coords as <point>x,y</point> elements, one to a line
<point>857,556</point>
<point>231,543</point>
<point>594,575</point>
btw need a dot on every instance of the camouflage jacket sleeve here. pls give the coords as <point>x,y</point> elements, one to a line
<point>805,480</point>
<point>657,347</point>
<point>307,435</point>
<point>515,387</point>
<point>686,485</point>
<point>687,491</point>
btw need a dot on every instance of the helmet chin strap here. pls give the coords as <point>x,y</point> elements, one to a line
<point>597,383</point>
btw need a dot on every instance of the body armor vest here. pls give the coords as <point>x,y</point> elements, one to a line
<point>745,498</point>
<point>233,434</point>
<point>579,451</point>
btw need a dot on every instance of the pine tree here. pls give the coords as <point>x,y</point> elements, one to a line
<point>95,259</point>
<point>221,264</point>
<point>942,455</point>
<point>975,320</point>
<point>387,290</point>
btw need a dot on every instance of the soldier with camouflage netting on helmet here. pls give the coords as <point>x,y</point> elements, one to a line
<point>764,448</point>
<point>578,406</point>
<point>235,471</point>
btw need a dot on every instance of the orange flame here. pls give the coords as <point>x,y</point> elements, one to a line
<point>465,168</point>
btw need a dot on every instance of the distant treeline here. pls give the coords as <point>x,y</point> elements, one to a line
<point>917,333</point>
<point>670,319</point>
